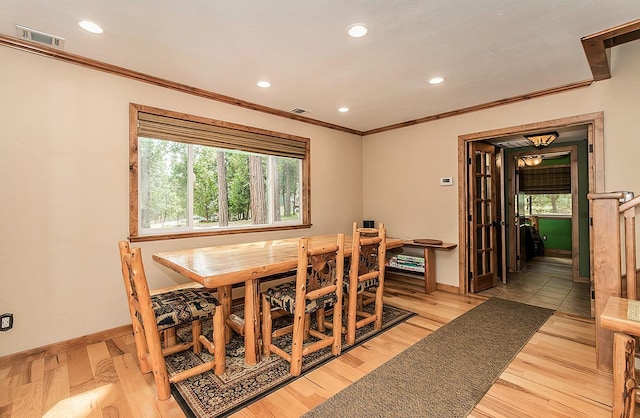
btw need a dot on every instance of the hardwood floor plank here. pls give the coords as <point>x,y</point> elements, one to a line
<point>55,361</point>
<point>4,372</point>
<point>114,402</point>
<point>55,387</point>
<point>80,371</point>
<point>554,375</point>
<point>169,409</point>
<point>27,401</point>
<point>85,404</point>
<point>22,372</point>
<point>563,378</point>
<point>272,406</point>
<point>8,387</point>
<point>574,399</point>
<point>101,364</point>
<point>136,388</point>
<point>37,370</point>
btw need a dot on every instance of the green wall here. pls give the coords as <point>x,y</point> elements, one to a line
<point>557,232</point>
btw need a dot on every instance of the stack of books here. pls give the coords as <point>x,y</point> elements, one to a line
<point>407,262</point>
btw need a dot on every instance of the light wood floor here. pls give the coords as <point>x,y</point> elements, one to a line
<point>554,375</point>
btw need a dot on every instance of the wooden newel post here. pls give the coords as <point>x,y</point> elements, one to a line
<point>607,275</point>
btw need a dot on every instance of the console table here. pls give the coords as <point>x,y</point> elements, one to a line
<point>429,260</point>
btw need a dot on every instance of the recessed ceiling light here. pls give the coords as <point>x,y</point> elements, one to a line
<point>343,109</point>
<point>357,30</point>
<point>436,80</point>
<point>90,26</point>
<point>263,84</point>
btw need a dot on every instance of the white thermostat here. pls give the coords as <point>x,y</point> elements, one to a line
<point>446,181</point>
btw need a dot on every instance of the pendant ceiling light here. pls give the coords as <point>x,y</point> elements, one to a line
<point>542,140</point>
<point>532,160</point>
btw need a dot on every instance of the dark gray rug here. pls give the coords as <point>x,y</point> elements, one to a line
<point>448,372</point>
<point>208,395</point>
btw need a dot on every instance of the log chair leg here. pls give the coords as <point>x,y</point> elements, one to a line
<point>378,306</point>
<point>196,331</point>
<point>219,341</point>
<point>336,348</point>
<point>352,317</point>
<point>266,326</point>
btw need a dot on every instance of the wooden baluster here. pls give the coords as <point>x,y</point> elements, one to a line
<point>630,251</point>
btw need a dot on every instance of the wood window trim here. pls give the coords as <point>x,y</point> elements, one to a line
<point>134,236</point>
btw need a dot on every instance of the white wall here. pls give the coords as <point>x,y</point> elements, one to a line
<point>64,178</point>
<point>402,168</point>
<point>64,181</point>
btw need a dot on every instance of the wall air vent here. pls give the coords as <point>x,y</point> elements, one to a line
<point>299,111</point>
<point>39,37</point>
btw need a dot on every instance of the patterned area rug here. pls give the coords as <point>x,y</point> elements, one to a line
<point>208,395</point>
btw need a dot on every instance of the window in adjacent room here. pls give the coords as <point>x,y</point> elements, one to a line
<point>547,189</point>
<point>549,204</point>
<point>194,176</point>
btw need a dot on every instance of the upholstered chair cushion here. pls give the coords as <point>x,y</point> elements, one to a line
<point>363,285</point>
<point>284,297</point>
<point>183,306</point>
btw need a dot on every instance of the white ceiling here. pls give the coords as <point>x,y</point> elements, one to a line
<point>486,50</point>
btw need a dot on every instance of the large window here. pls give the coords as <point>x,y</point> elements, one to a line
<point>195,176</point>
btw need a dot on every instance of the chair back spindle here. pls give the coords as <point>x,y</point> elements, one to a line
<point>317,286</point>
<point>165,311</point>
<point>366,273</point>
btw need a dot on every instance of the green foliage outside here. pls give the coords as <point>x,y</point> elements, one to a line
<point>164,186</point>
<point>549,204</point>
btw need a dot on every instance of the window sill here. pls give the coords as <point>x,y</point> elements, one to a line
<point>195,234</point>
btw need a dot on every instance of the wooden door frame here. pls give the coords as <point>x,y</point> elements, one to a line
<point>575,205</point>
<point>595,152</point>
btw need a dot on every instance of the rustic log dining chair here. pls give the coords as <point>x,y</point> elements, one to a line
<point>366,277</point>
<point>152,314</point>
<point>318,284</point>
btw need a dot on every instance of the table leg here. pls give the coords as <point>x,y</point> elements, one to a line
<point>624,382</point>
<point>252,322</point>
<point>429,270</point>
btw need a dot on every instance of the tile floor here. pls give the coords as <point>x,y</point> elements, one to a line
<point>546,282</point>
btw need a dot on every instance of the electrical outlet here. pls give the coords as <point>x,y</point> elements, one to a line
<point>6,322</point>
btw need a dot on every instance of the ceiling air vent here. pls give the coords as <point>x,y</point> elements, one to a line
<point>299,111</point>
<point>40,37</point>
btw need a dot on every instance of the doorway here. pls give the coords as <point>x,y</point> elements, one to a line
<point>509,145</point>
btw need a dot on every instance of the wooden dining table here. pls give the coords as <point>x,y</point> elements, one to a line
<point>220,267</point>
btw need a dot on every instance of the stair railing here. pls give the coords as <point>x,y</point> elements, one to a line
<point>607,211</point>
